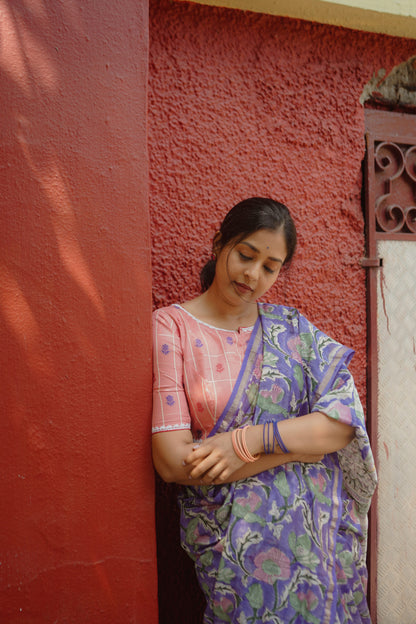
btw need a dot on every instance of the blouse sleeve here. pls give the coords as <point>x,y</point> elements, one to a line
<point>170,407</point>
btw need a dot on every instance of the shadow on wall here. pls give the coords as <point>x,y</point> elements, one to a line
<point>74,274</point>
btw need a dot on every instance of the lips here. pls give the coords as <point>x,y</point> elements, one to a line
<point>243,288</point>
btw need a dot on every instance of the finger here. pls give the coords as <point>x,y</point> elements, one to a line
<point>196,454</point>
<point>202,467</point>
<point>199,471</point>
<point>223,476</point>
<point>213,474</point>
<point>191,466</point>
<point>218,473</point>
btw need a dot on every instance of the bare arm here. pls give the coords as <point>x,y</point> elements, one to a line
<point>315,433</point>
<point>171,448</point>
<point>312,435</point>
<point>175,459</point>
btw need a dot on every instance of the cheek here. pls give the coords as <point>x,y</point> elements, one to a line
<point>271,279</point>
<point>234,265</point>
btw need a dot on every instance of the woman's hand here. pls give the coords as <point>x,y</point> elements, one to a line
<point>214,459</point>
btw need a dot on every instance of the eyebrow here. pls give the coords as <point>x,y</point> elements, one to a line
<point>258,251</point>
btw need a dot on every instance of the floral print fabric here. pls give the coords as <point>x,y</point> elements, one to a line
<point>286,546</point>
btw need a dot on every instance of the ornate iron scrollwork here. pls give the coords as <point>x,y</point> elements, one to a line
<point>395,207</point>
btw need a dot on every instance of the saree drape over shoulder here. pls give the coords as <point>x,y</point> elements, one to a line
<point>288,545</point>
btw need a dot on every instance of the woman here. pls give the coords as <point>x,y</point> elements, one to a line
<point>256,415</point>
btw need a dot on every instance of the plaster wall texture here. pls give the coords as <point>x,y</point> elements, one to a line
<point>77,532</point>
<point>243,104</point>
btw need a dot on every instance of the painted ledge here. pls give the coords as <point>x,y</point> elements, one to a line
<point>390,17</point>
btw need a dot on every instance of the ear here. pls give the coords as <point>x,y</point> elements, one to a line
<point>216,242</point>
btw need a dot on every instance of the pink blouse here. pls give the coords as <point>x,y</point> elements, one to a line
<point>195,368</point>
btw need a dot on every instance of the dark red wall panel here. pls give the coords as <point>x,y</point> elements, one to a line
<point>77,518</point>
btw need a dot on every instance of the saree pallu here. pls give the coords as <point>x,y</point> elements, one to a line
<point>288,545</point>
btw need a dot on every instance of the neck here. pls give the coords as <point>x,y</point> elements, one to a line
<point>232,315</point>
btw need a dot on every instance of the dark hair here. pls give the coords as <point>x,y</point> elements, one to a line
<point>246,217</point>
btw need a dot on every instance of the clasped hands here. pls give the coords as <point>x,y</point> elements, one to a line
<point>214,461</point>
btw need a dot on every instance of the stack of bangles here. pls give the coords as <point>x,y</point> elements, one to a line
<point>269,446</point>
<point>238,438</point>
<point>240,447</point>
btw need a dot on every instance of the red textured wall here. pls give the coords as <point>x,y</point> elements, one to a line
<point>246,104</point>
<point>76,483</point>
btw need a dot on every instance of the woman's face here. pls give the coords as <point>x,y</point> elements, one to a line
<point>246,270</point>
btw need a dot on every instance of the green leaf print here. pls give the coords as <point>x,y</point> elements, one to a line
<point>252,392</point>
<point>306,341</point>
<point>301,606</point>
<point>346,558</point>
<point>281,484</point>
<point>269,360</point>
<point>301,548</point>
<point>247,515</point>
<point>267,404</point>
<point>219,613</point>
<point>206,558</point>
<point>225,575</point>
<point>255,596</point>
<point>191,531</point>
<point>358,597</point>
<point>298,374</point>
<point>317,492</point>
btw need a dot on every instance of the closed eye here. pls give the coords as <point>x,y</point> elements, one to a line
<point>244,258</point>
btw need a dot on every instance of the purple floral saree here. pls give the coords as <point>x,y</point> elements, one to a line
<point>288,545</point>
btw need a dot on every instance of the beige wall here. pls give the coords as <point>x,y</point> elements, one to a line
<point>393,17</point>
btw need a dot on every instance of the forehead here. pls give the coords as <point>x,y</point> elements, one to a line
<point>268,242</point>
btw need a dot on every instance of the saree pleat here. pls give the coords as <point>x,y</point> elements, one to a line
<point>287,545</point>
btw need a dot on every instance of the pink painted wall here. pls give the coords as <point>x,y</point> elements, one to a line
<point>246,104</point>
<point>77,505</point>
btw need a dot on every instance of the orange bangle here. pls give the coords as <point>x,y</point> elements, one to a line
<point>250,457</point>
<point>238,438</point>
<point>236,444</point>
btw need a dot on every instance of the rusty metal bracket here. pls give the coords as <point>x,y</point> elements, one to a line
<point>371,263</point>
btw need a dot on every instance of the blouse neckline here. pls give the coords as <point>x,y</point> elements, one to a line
<point>238,331</point>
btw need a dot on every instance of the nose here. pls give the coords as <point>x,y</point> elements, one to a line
<point>252,272</point>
